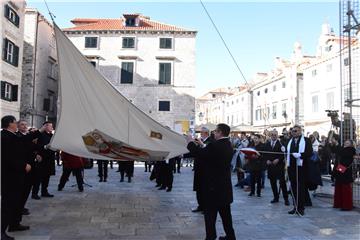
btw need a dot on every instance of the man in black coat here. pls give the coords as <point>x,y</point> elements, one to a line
<point>206,139</point>
<point>299,151</point>
<point>216,188</point>
<point>13,170</point>
<point>276,167</point>
<point>47,162</point>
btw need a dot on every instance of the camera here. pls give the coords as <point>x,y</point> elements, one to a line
<point>332,113</point>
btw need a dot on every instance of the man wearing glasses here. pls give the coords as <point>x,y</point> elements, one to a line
<point>299,151</point>
<point>216,187</point>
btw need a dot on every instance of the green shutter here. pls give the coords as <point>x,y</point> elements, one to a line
<point>3,90</point>
<point>7,11</point>
<point>16,56</point>
<point>14,93</point>
<point>5,48</point>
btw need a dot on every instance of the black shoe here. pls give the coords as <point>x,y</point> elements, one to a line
<point>25,211</point>
<point>274,201</point>
<point>4,236</point>
<point>100,180</point>
<point>47,195</point>
<point>168,190</point>
<point>198,209</point>
<point>162,188</point>
<point>292,211</point>
<point>251,194</point>
<point>158,185</point>
<point>121,180</point>
<point>81,189</point>
<point>104,179</point>
<point>301,212</point>
<point>18,228</point>
<point>225,238</point>
<point>237,185</point>
<point>35,196</point>
<point>129,180</point>
<point>117,170</point>
<point>258,195</point>
<point>287,203</point>
<point>60,188</point>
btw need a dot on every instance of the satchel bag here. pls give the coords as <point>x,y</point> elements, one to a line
<point>341,168</point>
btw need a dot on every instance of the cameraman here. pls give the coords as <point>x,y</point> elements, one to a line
<point>345,125</point>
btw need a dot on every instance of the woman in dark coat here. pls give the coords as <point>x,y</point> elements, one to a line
<point>343,176</point>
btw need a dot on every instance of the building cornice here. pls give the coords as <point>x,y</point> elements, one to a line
<point>111,32</point>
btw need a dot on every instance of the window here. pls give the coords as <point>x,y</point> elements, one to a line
<point>228,120</point>
<point>52,70</point>
<point>283,110</point>
<point>330,100</point>
<point>93,63</point>
<point>10,52</point>
<point>128,42</point>
<point>274,88</point>
<point>11,15</point>
<point>213,95</point>
<point>313,73</point>
<point>315,104</point>
<point>127,72</point>
<point>91,42</point>
<point>257,114</point>
<point>9,92</point>
<point>274,110</point>
<point>328,48</point>
<point>346,61</point>
<point>258,93</point>
<point>266,90</point>
<point>283,84</point>
<point>164,106</point>
<point>130,22</point>
<point>329,67</point>
<point>166,43</point>
<point>165,73</point>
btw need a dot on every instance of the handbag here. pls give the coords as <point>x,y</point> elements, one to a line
<point>341,168</point>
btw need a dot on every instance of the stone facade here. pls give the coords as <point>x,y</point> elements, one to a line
<point>146,56</point>
<point>12,35</point>
<point>40,78</point>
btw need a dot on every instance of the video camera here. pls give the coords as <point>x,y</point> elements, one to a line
<point>332,113</point>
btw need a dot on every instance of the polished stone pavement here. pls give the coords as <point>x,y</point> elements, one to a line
<point>137,210</point>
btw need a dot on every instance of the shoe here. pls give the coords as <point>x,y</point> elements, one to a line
<point>35,196</point>
<point>121,180</point>
<point>168,190</point>
<point>287,203</point>
<point>258,195</point>
<point>105,180</point>
<point>47,195</point>
<point>100,180</point>
<point>60,188</point>
<point>292,211</point>
<point>81,189</point>
<point>18,228</point>
<point>274,201</point>
<point>158,185</point>
<point>117,170</point>
<point>198,209</point>
<point>237,185</point>
<point>25,212</point>
<point>301,212</point>
<point>4,236</point>
<point>225,238</point>
<point>129,180</point>
<point>251,194</point>
<point>162,188</point>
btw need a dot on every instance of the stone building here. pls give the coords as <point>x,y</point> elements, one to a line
<point>150,63</point>
<point>40,78</point>
<point>12,35</point>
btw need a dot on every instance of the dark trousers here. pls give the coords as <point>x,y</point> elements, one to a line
<point>44,181</point>
<point>297,181</point>
<point>11,206</point>
<point>199,199</point>
<point>29,181</point>
<point>167,175</point>
<point>65,177</point>
<point>275,189</point>
<point>255,178</point>
<point>177,165</point>
<point>147,166</point>
<point>103,169</point>
<point>210,215</point>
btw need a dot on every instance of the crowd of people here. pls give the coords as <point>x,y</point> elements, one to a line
<point>293,162</point>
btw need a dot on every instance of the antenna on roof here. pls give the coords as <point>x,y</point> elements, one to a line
<point>50,13</point>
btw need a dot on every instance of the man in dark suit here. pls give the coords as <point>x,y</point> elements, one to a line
<point>206,139</point>
<point>299,151</point>
<point>276,167</point>
<point>216,188</point>
<point>47,162</point>
<point>13,170</point>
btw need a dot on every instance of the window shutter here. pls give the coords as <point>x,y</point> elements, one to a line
<point>5,49</point>
<point>16,56</point>
<point>87,42</point>
<point>14,93</point>
<point>167,73</point>
<point>6,12</point>
<point>2,90</point>
<point>17,20</point>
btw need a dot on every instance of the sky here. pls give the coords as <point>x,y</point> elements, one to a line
<point>256,32</point>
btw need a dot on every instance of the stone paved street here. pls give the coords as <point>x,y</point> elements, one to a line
<point>137,210</point>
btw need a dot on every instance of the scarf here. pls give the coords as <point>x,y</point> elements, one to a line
<point>299,161</point>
